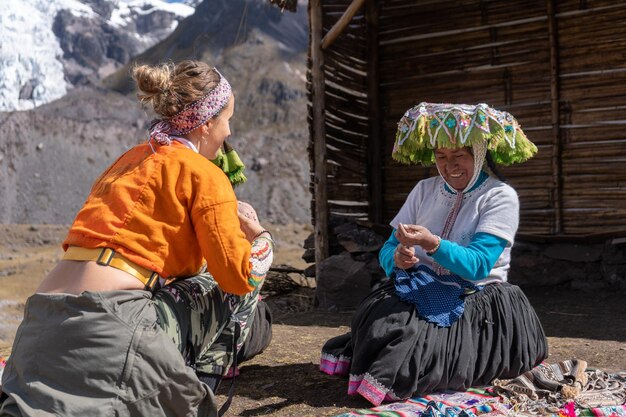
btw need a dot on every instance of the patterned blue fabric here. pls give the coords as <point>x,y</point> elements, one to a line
<point>438,299</point>
<point>439,409</point>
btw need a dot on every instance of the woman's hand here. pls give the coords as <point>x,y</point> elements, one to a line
<point>404,256</point>
<point>413,234</point>
<point>248,220</point>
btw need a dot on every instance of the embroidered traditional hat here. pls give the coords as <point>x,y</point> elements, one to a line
<point>430,125</point>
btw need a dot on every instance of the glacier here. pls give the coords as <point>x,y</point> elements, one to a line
<point>31,58</point>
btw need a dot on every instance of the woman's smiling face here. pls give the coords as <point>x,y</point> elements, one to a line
<point>456,166</point>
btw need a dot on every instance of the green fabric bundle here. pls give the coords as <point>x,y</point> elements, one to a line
<point>228,160</point>
<point>428,126</point>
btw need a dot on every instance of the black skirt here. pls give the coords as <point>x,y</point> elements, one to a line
<point>392,354</point>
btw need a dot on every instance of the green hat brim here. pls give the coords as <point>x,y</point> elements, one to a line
<point>427,126</point>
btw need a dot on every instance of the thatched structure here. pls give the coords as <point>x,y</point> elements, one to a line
<point>558,66</point>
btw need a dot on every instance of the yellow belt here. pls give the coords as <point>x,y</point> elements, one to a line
<point>108,257</point>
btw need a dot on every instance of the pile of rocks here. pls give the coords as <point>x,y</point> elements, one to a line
<point>584,265</point>
<point>347,275</point>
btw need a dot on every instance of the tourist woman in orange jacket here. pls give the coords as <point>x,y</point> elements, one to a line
<point>160,276</point>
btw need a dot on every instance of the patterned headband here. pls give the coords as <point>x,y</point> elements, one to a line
<point>192,115</point>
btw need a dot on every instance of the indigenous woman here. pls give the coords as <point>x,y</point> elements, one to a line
<point>160,275</point>
<point>446,318</point>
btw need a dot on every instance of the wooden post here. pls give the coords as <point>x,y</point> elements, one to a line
<point>342,23</point>
<point>556,127</point>
<point>375,155</point>
<point>319,134</point>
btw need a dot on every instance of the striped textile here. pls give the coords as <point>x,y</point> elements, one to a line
<point>473,401</point>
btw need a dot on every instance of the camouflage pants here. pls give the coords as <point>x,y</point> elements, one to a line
<point>200,319</point>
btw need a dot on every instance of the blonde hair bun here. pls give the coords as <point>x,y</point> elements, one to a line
<point>169,87</point>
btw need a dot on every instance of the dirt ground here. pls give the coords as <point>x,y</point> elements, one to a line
<point>285,380</point>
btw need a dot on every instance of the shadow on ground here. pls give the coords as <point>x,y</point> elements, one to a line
<point>312,388</point>
<point>597,315</point>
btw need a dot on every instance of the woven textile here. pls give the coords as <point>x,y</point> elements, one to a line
<point>548,388</point>
<point>603,395</point>
<point>473,402</point>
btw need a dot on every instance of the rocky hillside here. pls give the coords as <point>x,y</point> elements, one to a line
<point>49,156</point>
<point>96,45</point>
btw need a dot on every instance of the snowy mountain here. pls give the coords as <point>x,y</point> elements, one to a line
<point>49,46</point>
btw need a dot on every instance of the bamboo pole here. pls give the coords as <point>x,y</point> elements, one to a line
<point>556,130</point>
<point>318,134</point>
<point>374,155</point>
<point>342,23</point>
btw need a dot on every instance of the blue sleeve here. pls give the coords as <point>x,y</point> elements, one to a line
<point>385,256</point>
<point>473,262</point>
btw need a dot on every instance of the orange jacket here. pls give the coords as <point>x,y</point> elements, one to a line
<point>168,211</point>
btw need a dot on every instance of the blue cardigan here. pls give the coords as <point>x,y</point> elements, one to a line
<point>472,262</point>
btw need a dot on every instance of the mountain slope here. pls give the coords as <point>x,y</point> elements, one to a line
<point>219,25</point>
<point>50,156</point>
<point>262,52</point>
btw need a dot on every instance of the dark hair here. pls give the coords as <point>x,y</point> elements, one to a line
<point>492,166</point>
